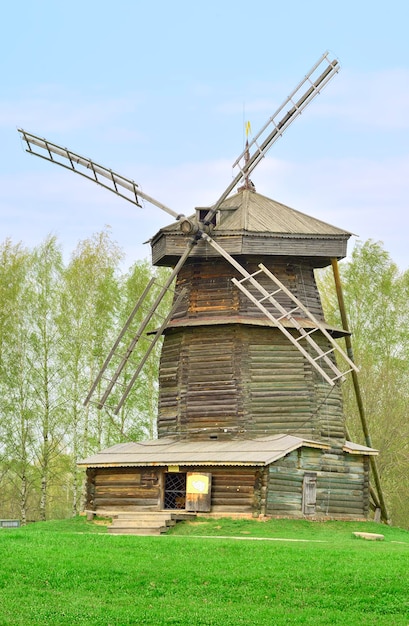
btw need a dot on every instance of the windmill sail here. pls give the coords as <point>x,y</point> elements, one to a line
<point>283,313</point>
<point>125,353</point>
<point>300,97</point>
<point>126,344</point>
<point>318,354</point>
<point>107,178</point>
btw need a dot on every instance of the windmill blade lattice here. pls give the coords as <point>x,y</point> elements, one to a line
<point>311,85</point>
<point>99,174</point>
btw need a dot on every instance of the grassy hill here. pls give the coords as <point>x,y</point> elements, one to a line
<point>209,572</point>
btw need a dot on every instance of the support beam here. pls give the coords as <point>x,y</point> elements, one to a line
<point>348,342</point>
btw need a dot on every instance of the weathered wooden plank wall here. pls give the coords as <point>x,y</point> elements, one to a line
<point>211,294</point>
<point>234,489</point>
<point>200,382</point>
<point>225,371</point>
<point>235,380</point>
<point>112,489</point>
<point>342,484</point>
<point>168,249</point>
<point>279,394</point>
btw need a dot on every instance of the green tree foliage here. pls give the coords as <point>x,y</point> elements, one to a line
<point>42,303</point>
<point>376,297</point>
<point>87,322</point>
<point>57,325</point>
<point>16,393</point>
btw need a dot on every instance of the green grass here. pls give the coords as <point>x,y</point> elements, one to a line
<point>72,572</point>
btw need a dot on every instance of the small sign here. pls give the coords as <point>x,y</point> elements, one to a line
<point>173,468</point>
<point>197,483</point>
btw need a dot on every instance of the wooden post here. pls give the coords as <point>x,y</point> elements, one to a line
<point>384,512</point>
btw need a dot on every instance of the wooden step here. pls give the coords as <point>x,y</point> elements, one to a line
<point>150,529</point>
<point>146,522</point>
<point>142,523</point>
<point>181,516</point>
<point>154,515</point>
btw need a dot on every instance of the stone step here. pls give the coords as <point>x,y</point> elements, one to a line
<point>179,516</point>
<point>141,524</point>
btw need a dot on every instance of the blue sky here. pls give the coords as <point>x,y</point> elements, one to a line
<point>160,91</point>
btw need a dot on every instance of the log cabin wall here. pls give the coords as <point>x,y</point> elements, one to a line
<point>234,489</point>
<point>200,383</point>
<point>236,380</point>
<point>238,490</point>
<point>342,484</point>
<point>122,489</point>
<point>285,394</point>
<point>342,487</point>
<point>212,295</point>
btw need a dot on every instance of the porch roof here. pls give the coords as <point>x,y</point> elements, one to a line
<point>170,451</point>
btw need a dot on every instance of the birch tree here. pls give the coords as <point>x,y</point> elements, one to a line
<point>87,323</point>
<point>43,301</point>
<point>16,408</point>
<point>57,325</point>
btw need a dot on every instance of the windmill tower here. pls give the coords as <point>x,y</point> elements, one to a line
<point>249,382</point>
<point>231,362</point>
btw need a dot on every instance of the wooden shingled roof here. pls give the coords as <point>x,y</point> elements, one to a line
<point>252,212</point>
<point>248,223</point>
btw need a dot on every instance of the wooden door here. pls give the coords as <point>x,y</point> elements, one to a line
<point>309,493</point>
<point>198,492</point>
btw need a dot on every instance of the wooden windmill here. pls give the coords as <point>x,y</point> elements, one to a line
<point>249,382</point>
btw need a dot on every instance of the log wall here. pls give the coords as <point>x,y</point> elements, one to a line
<point>169,247</point>
<point>212,295</point>
<point>226,372</point>
<point>234,489</point>
<point>118,489</point>
<point>236,380</point>
<point>342,484</point>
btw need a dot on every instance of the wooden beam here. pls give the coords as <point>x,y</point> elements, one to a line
<point>341,303</point>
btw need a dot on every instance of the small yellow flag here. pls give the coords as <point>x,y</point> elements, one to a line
<point>248,128</point>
